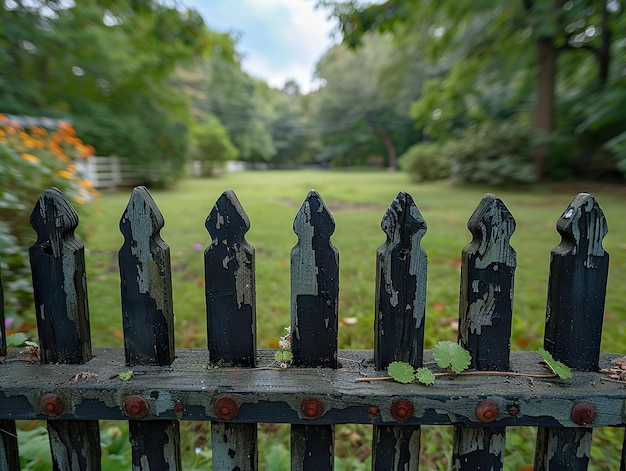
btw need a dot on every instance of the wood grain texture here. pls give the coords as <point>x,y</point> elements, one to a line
<point>314,286</point>
<point>75,445</point>
<point>9,453</point>
<point>234,446</point>
<point>401,265</point>
<point>155,445</point>
<point>57,262</point>
<point>396,448</point>
<point>146,284</point>
<point>230,285</point>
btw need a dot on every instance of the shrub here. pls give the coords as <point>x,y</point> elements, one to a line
<point>32,160</point>
<point>425,161</point>
<point>496,153</point>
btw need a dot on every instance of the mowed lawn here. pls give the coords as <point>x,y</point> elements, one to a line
<point>358,201</point>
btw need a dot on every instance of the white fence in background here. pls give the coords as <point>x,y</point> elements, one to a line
<point>110,172</point>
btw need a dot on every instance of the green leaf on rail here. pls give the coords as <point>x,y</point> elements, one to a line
<point>17,339</point>
<point>401,372</point>
<point>561,370</point>
<point>451,355</point>
<point>425,376</point>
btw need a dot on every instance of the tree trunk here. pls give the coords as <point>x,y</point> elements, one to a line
<point>546,99</point>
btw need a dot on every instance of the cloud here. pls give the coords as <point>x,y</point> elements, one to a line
<point>279,39</point>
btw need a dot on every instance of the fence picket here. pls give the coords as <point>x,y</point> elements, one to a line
<point>3,339</point>
<point>59,281</point>
<point>60,291</point>
<point>229,273</point>
<point>485,311</point>
<point>230,285</point>
<point>148,316</point>
<point>146,284</point>
<point>575,309</point>
<point>401,286</point>
<point>314,319</point>
<point>401,271</point>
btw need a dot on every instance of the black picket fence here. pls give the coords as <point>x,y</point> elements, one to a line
<point>74,386</point>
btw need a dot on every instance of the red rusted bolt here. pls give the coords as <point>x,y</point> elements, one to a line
<point>51,405</point>
<point>513,410</point>
<point>312,408</point>
<point>402,410</point>
<point>225,407</point>
<point>136,407</point>
<point>179,408</point>
<point>583,413</point>
<point>487,411</point>
<point>374,411</point>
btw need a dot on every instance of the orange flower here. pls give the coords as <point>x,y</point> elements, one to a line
<point>30,158</point>
<point>65,174</point>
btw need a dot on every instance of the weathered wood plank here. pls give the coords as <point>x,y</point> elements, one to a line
<point>401,266</point>
<point>314,286</point>
<point>155,445</point>
<point>3,339</point>
<point>396,448</point>
<point>60,291</point>
<point>230,285</point>
<point>75,445</point>
<point>574,313</point>
<point>234,446</point>
<point>312,447</point>
<point>485,313</point>
<point>401,270</point>
<point>266,395</point>
<point>146,284</point>
<point>577,286</point>
<point>486,299</point>
<point>9,453</point>
<point>59,281</point>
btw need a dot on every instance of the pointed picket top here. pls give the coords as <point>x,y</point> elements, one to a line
<point>314,286</point>
<point>577,286</point>
<point>582,227</point>
<point>59,281</point>
<point>401,281</point>
<point>487,280</point>
<point>230,285</point>
<point>146,284</point>
<point>227,220</point>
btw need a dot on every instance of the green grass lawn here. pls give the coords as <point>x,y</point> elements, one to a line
<point>358,201</point>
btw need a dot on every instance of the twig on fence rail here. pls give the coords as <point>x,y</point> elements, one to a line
<point>467,373</point>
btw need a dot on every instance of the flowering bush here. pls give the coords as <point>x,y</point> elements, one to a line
<point>32,160</point>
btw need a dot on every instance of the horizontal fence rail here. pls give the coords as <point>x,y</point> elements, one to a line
<point>73,386</point>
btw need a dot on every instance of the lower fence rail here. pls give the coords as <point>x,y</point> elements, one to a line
<point>72,398</point>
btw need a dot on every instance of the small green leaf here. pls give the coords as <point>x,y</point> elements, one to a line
<point>401,372</point>
<point>17,339</point>
<point>278,356</point>
<point>425,376</point>
<point>561,370</point>
<point>451,355</point>
<point>126,375</point>
<point>287,355</point>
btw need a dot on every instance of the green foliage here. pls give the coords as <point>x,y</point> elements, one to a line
<point>559,369</point>
<point>451,355</point>
<point>32,160</point>
<point>495,153</point>
<point>425,161</point>
<point>211,145</point>
<point>425,376</point>
<point>401,372</point>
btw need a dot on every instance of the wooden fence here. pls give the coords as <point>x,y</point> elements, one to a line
<point>73,386</point>
<point>111,172</point>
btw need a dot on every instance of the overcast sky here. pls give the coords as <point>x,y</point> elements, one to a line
<point>279,39</point>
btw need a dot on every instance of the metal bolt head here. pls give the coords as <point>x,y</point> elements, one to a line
<point>136,407</point>
<point>225,408</point>
<point>51,405</point>
<point>487,411</point>
<point>513,410</point>
<point>583,413</point>
<point>312,408</point>
<point>374,411</point>
<point>402,410</point>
